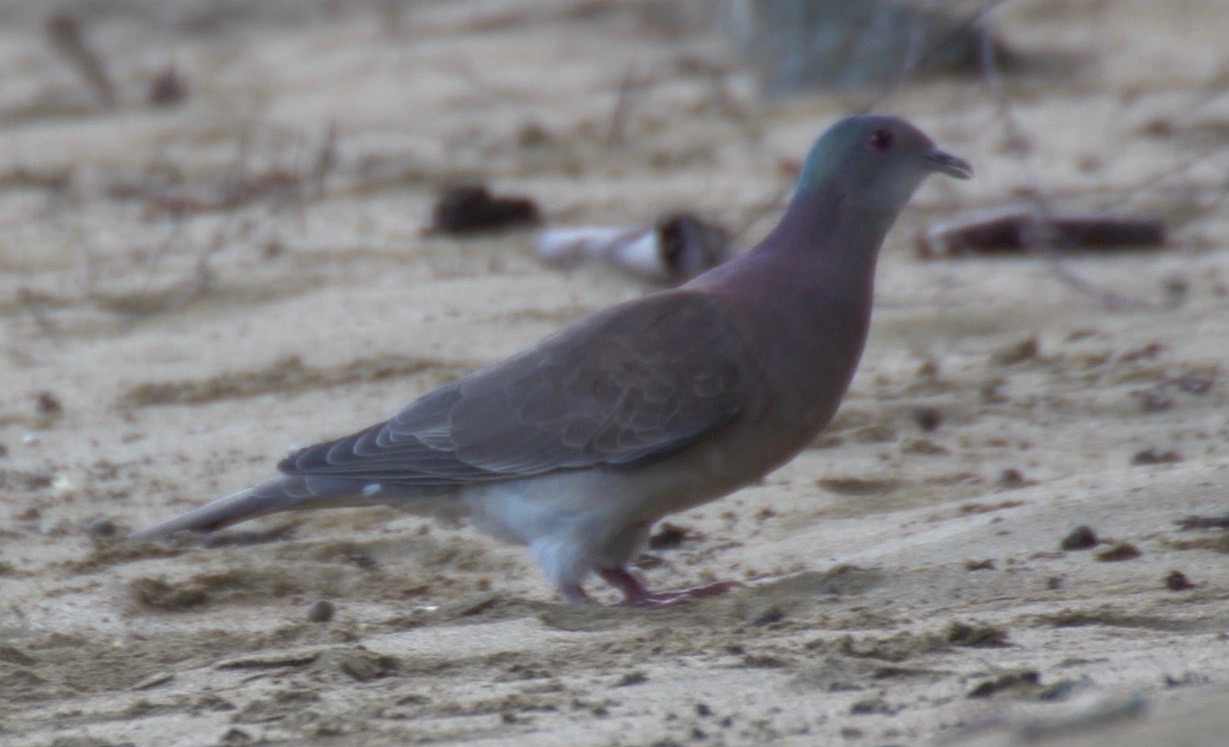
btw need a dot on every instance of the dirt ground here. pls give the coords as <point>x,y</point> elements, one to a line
<point>187,290</point>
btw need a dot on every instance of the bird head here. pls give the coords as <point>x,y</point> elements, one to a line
<point>875,162</point>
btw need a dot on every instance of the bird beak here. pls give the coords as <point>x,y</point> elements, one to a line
<point>948,164</point>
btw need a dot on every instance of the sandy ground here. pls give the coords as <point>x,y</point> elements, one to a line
<point>165,341</point>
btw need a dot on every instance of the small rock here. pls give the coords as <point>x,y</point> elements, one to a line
<point>1023,680</point>
<point>1196,383</point>
<point>923,446</point>
<point>668,536</point>
<point>768,617</point>
<point>320,611</point>
<point>1177,581</point>
<point>1011,478</point>
<point>1155,456</point>
<point>471,208</point>
<point>1118,552</point>
<point>167,88</point>
<point>1154,400</point>
<point>1017,352</point>
<point>48,404</point>
<point>1204,522</point>
<point>870,705</point>
<point>101,527</point>
<point>1081,538</point>
<point>927,418</point>
<point>975,635</point>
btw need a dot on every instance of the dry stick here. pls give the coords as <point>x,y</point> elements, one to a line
<point>723,101</point>
<point>618,116</point>
<point>201,275</point>
<point>155,260</point>
<point>1210,91</point>
<point>65,36</point>
<point>916,60</point>
<point>1040,243</point>
<point>240,169</point>
<point>326,159</point>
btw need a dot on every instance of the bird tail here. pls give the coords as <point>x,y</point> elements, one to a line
<point>286,493</point>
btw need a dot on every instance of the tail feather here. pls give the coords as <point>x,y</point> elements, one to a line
<point>280,494</point>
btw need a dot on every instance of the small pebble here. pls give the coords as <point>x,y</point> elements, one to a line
<point>1011,478</point>
<point>1156,456</point>
<point>1118,552</point>
<point>101,527</point>
<point>48,404</point>
<point>167,88</point>
<point>927,418</point>
<point>668,537</point>
<point>1177,581</point>
<point>320,611</point>
<point>471,208</point>
<point>769,616</point>
<point>1081,538</point>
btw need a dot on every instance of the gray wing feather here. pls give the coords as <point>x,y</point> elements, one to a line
<point>637,381</point>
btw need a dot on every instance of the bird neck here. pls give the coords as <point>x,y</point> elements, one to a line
<point>826,239</point>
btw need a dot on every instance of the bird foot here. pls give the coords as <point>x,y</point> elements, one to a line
<point>636,595</point>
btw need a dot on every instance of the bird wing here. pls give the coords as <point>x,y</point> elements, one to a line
<point>636,381</point>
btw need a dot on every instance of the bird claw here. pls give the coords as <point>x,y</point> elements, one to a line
<point>636,595</point>
<point>656,599</point>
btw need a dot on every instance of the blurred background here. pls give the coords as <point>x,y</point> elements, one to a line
<point>228,228</point>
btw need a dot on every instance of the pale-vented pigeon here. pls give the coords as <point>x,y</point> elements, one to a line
<point>576,446</point>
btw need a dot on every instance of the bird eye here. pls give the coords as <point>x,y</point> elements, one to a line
<point>881,140</point>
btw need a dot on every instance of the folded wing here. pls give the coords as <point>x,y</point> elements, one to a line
<point>637,381</point>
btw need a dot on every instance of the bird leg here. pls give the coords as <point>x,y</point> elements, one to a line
<point>636,595</point>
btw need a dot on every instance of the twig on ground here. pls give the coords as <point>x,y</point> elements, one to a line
<point>65,36</point>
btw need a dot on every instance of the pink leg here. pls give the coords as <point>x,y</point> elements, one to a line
<point>636,595</point>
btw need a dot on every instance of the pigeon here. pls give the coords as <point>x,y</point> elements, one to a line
<point>576,446</point>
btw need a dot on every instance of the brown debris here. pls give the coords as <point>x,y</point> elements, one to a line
<point>320,611</point>
<point>1024,680</point>
<point>48,404</point>
<point>167,88</point>
<point>1081,538</point>
<point>471,208</point>
<point>1155,455</point>
<point>927,418</point>
<point>1177,581</point>
<point>669,536</point>
<point>1203,522</point>
<point>975,635</point>
<point>1016,230</point>
<point>1119,551</point>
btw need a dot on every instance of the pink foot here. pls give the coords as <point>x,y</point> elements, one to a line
<point>636,595</point>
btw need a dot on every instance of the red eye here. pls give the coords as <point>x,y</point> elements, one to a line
<point>881,140</point>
